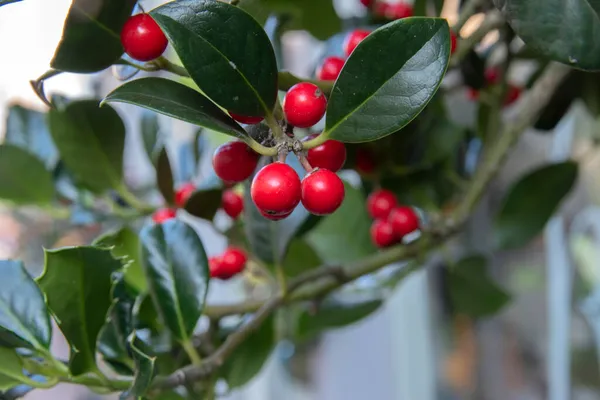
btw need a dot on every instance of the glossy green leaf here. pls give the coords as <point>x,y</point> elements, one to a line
<point>77,284</point>
<point>11,369</point>
<point>144,371</point>
<point>27,129</point>
<point>219,43</point>
<point>300,257</point>
<point>531,202</point>
<point>151,135</point>
<point>24,318</point>
<point>18,171</point>
<point>334,315</point>
<point>557,30</point>
<point>164,177</point>
<point>344,236</point>
<point>249,358</point>
<point>177,271</point>
<point>377,95</point>
<point>124,245</point>
<point>90,141</point>
<point>204,203</point>
<point>91,39</point>
<point>472,291</point>
<point>178,101</point>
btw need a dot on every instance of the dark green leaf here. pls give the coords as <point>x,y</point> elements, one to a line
<point>344,236</point>
<point>27,128</point>
<point>550,28</point>
<point>144,371</point>
<point>178,101</point>
<point>375,96</point>
<point>113,351</point>
<point>164,177</point>
<point>177,271</point>
<point>247,361</point>
<point>300,257</point>
<point>77,283</point>
<point>150,135</point>
<point>23,310</point>
<point>204,203</point>
<point>531,202</point>
<point>471,290</point>
<point>125,246</point>
<point>226,52</point>
<point>90,141</point>
<point>5,2</point>
<point>334,315</point>
<point>91,35</point>
<point>11,369</point>
<point>23,177</point>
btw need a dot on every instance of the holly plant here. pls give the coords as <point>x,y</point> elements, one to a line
<point>358,170</point>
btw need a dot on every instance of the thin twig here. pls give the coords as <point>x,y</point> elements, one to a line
<point>493,20</point>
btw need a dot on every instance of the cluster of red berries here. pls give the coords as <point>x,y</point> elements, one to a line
<point>492,76</point>
<point>391,11</point>
<point>230,263</point>
<point>330,68</point>
<point>392,221</point>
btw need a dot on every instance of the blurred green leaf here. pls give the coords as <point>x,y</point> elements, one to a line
<point>204,203</point>
<point>150,129</point>
<point>11,369</point>
<point>144,371</point>
<point>164,177</point>
<point>24,178</point>
<point>300,257</point>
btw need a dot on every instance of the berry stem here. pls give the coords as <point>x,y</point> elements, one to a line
<point>149,67</point>
<point>304,162</point>
<point>259,148</point>
<point>317,141</point>
<point>166,65</point>
<point>191,352</point>
<point>275,127</point>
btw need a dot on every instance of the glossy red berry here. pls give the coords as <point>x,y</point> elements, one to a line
<point>232,203</point>
<point>513,93</point>
<point>404,220</point>
<point>382,233</point>
<point>215,267</point>
<point>330,155</point>
<point>401,10</point>
<point>365,161</point>
<point>453,42</point>
<point>330,69</point>
<point>183,194</point>
<point>163,214</point>
<point>304,105</point>
<point>353,39</point>
<point>380,203</point>
<point>276,189</point>
<point>245,119</point>
<point>276,217</point>
<point>233,261</point>
<point>234,161</point>
<point>366,3</point>
<point>383,9</point>
<point>322,192</point>
<point>142,38</point>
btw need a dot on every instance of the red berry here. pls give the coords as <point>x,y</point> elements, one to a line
<point>380,203</point>
<point>366,3</point>
<point>163,214</point>
<point>304,105</point>
<point>215,267</point>
<point>245,119</point>
<point>383,9</point>
<point>142,38</point>
<point>330,155</point>
<point>404,220</point>
<point>330,69</point>
<point>322,192</point>
<point>512,95</point>
<point>276,189</point>
<point>401,10</point>
<point>234,161</point>
<point>276,217</point>
<point>353,39</point>
<point>382,233</point>
<point>233,261</point>
<point>232,203</point>
<point>453,42</point>
<point>365,161</point>
<point>184,193</point>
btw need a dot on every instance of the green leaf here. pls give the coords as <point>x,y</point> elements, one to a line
<point>124,245</point>
<point>27,129</point>
<point>150,135</point>
<point>177,271</point>
<point>567,35</point>
<point>77,283</point>
<point>531,202</point>
<point>204,203</point>
<point>5,2</point>
<point>164,177</point>
<point>300,257</point>
<point>24,178</point>
<point>219,43</point>
<point>344,236</point>
<point>375,96</point>
<point>24,318</point>
<point>249,358</point>
<point>178,101</point>
<point>144,371</point>
<point>91,35</point>
<point>90,141</point>
<point>471,290</point>
<point>11,369</point>
<point>334,315</point>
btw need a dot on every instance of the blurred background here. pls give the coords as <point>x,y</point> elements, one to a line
<point>544,345</point>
